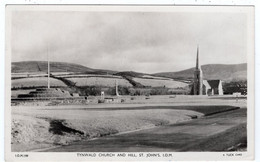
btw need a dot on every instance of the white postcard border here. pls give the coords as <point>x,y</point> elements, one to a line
<point>249,155</point>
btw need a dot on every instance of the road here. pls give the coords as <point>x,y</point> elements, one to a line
<point>217,132</point>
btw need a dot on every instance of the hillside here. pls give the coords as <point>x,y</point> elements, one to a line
<point>130,73</point>
<point>212,71</point>
<point>41,66</point>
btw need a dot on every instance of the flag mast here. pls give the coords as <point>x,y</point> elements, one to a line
<point>48,67</point>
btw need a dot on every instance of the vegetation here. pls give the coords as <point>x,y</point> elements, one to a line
<point>235,86</point>
<point>96,91</point>
<point>32,74</point>
<point>160,83</point>
<point>92,86</point>
<point>42,66</point>
<point>36,82</point>
<point>130,73</point>
<point>133,82</point>
<point>99,81</point>
<point>33,87</point>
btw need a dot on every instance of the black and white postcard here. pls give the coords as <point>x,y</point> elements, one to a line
<point>86,82</point>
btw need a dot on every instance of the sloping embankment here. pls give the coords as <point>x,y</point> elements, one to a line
<point>38,128</point>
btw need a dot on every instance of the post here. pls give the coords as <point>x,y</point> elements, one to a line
<point>102,95</point>
<point>117,94</point>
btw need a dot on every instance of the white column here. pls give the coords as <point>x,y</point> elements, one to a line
<point>117,88</point>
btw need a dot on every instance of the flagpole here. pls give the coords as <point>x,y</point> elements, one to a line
<point>48,67</point>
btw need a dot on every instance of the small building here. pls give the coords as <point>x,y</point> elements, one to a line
<point>212,87</point>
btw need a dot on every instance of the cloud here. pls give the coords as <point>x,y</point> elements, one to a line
<point>140,41</point>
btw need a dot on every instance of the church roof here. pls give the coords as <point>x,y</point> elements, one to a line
<point>213,83</point>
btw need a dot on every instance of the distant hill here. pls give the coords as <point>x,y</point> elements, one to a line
<point>211,71</point>
<point>42,66</point>
<point>102,71</point>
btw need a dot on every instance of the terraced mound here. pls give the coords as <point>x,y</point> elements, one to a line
<point>46,93</point>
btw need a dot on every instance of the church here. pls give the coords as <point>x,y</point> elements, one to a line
<point>205,87</point>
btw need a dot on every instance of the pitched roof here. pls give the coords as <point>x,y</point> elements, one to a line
<point>213,83</point>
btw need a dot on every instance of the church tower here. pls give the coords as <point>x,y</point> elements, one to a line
<point>198,81</point>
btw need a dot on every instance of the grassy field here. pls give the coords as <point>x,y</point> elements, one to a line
<point>35,128</point>
<point>36,82</point>
<point>26,75</point>
<point>160,83</point>
<point>88,75</point>
<point>220,132</point>
<point>99,81</point>
<point>154,77</point>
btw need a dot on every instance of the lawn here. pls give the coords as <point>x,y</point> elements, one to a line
<point>160,83</point>
<point>36,82</point>
<point>100,81</point>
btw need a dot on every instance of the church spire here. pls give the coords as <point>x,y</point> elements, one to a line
<point>198,80</point>
<point>197,61</point>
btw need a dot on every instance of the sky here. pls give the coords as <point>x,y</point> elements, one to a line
<point>148,42</point>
